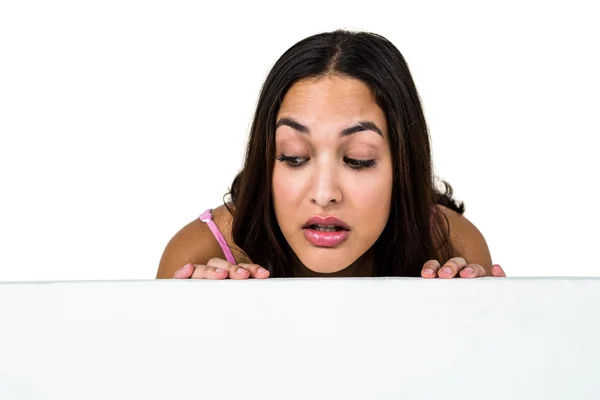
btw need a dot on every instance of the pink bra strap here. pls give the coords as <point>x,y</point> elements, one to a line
<point>206,217</point>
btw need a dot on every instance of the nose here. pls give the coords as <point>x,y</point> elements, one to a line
<point>325,188</point>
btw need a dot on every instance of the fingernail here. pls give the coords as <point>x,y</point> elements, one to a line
<point>262,271</point>
<point>219,270</point>
<point>184,267</point>
<point>447,271</point>
<point>428,271</point>
<point>241,271</point>
<point>468,270</point>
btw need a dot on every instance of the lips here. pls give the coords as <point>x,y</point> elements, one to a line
<point>324,221</point>
<point>337,231</point>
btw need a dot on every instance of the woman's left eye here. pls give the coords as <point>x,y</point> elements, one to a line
<point>359,164</point>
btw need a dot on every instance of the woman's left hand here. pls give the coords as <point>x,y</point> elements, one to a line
<point>457,267</point>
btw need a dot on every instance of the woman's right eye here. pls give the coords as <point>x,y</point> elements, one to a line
<point>292,161</point>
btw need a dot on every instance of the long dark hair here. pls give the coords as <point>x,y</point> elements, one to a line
<point>409,238</point>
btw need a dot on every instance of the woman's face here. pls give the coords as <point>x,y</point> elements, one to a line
<point>332,180</point>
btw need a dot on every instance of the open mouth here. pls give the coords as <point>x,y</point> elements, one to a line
<point>326,228</point>
<point>326,232</point>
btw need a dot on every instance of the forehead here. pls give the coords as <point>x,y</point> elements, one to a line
<point>334,99</point>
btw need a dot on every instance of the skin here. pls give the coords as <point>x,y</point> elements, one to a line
<point>323,176</point>
<point>324,183</point>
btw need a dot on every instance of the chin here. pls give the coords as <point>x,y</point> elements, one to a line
<point>325,260</point>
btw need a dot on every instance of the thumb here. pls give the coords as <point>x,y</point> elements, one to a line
<point>497,271</point>
<point>184,272</point>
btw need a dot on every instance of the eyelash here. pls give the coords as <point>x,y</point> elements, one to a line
<point>293,162</point>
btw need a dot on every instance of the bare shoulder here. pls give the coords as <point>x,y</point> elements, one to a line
<point>196,244</point>
<point>467,239</point>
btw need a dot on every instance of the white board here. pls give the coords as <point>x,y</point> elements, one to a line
<point>489,338</point>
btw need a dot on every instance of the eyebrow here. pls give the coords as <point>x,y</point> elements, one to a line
<point>358,127</point>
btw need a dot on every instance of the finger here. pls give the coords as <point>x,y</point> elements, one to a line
<point>497,271</point>
<point>206,272</point>
<point>451,268</point>
<point>430,269</point>
<point>234,271</point>
<point>472,271</point>
<point>256,271</point>
<point>184,272</point>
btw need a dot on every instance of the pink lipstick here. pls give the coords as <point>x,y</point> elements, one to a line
<point>325,231</point>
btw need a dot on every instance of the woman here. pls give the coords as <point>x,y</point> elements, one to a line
<point>337,179</point>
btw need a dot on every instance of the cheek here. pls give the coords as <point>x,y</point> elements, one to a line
<point>287,193</point>
<point>372,193</point>
<point>371,198</point>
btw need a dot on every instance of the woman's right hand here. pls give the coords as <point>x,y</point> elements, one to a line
<point>217,268</point>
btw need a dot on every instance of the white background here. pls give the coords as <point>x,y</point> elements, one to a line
<point>121,121</point>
